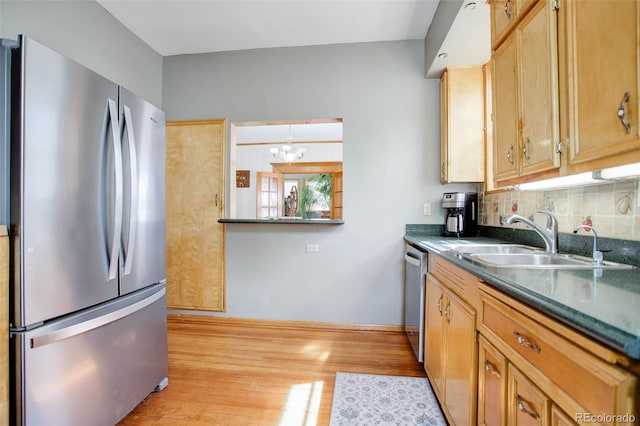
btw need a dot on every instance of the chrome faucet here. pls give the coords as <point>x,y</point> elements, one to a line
<point>548,234</point>
<point>597,255</point>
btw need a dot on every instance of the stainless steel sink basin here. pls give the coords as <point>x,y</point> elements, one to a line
<point>493,248</point>
<point>540,260</point>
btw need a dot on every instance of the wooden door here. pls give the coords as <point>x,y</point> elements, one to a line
<point>492,385</point>
<point>269,195</point>
<point>537,38</point>
<point>602,39</point>
<point>195,239</point>
<point>461,354</point>
<point>434,334</point>
<point>505,111</point>
<point>336,202</point>
<point>4,325</point>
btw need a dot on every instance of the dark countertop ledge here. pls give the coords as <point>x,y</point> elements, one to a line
<point>283,221</point>
<point>604,306</point>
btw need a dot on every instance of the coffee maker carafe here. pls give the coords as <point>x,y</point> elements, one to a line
<point>461,219</point>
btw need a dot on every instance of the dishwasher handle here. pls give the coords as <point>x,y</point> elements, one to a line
<point>411,259</point>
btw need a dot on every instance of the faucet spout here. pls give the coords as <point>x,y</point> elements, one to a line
<point>597,255</point>
<point>549,234</point>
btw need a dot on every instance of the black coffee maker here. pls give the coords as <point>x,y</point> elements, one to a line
<point>461,218</point>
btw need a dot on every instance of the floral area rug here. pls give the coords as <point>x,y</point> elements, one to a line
<point>369,399</point>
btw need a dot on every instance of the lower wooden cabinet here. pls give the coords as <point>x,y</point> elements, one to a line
<point>554,376</point>
<point>526,403</point>
<point>451,355</point>
<point>492,385</point>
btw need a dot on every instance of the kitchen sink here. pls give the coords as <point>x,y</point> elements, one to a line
<point>493,248</point>
<point>540,260</point>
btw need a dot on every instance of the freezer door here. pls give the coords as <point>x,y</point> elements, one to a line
<point>64,206</point>
<point>143,255</point>
<point>94,367</point>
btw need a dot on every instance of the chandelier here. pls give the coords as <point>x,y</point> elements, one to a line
<point>286,152</point>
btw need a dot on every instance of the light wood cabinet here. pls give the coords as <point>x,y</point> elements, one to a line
<point>194,203</point>
<point>462,124</point>
<point>505,113</point>
<point>492,385</point>
<point>600,47</point>
<point>575,96</point>
<point>546,370</point>
<point>526,403</point>
<point>504,14</point>
<point>525,98</point>
<point>451,354</point>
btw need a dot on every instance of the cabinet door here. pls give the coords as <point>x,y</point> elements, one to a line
<point>536,39</point>
<point>526,404</point>
<point>195,239</point>
<point>462,124</point>
<point>434,334</point>
<point>503,15</point>
<point>602,69</point>
<point>560,418</point>
<point>461,360</point>
<point>505,110</point>
<point>492,385</point>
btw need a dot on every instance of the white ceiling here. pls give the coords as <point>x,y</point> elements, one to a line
<point>174,27</point>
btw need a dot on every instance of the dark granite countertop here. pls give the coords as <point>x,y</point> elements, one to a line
<point>604,305</point>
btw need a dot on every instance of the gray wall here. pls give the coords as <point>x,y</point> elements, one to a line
<point>391,167</point>
<point>84,31</point>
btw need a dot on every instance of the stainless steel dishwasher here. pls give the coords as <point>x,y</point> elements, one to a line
<point>415,267</point>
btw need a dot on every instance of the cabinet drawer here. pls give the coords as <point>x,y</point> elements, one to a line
<point>575,376</point>
<point>457,279</point>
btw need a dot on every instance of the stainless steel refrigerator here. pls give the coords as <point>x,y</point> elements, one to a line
<point>87,313</point>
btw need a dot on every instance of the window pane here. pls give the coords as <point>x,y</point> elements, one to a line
<point>273,212</point>
<point>273,199</point>
<point>264,199</point>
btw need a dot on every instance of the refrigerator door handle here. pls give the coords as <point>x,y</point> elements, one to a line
<point>133,210</point>
<point>86,326</point>
<point>117,225</point>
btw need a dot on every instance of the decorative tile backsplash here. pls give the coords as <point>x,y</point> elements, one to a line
<point>612,209</point>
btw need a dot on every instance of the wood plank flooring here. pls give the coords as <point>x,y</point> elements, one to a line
<point>226,373</point>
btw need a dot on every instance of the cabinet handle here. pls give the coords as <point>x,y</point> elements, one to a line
<point>510,155</point>
<point>489,368</point>
<point>507,9</point>
<point>522,406</point>
<point>525,150</point>
<point>622,112</point>
<point>440,305</point>
<point>216,200</point>
<point>522,341</point>
<point>447,312</point>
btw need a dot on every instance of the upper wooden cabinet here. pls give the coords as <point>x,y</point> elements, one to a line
<point>600,42</point>
<point>573,103</point>
<point>462,115</point>
<point>525,98</point>
<point>504,14</point>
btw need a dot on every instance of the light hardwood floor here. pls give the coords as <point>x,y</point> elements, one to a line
<point>242,373</point>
